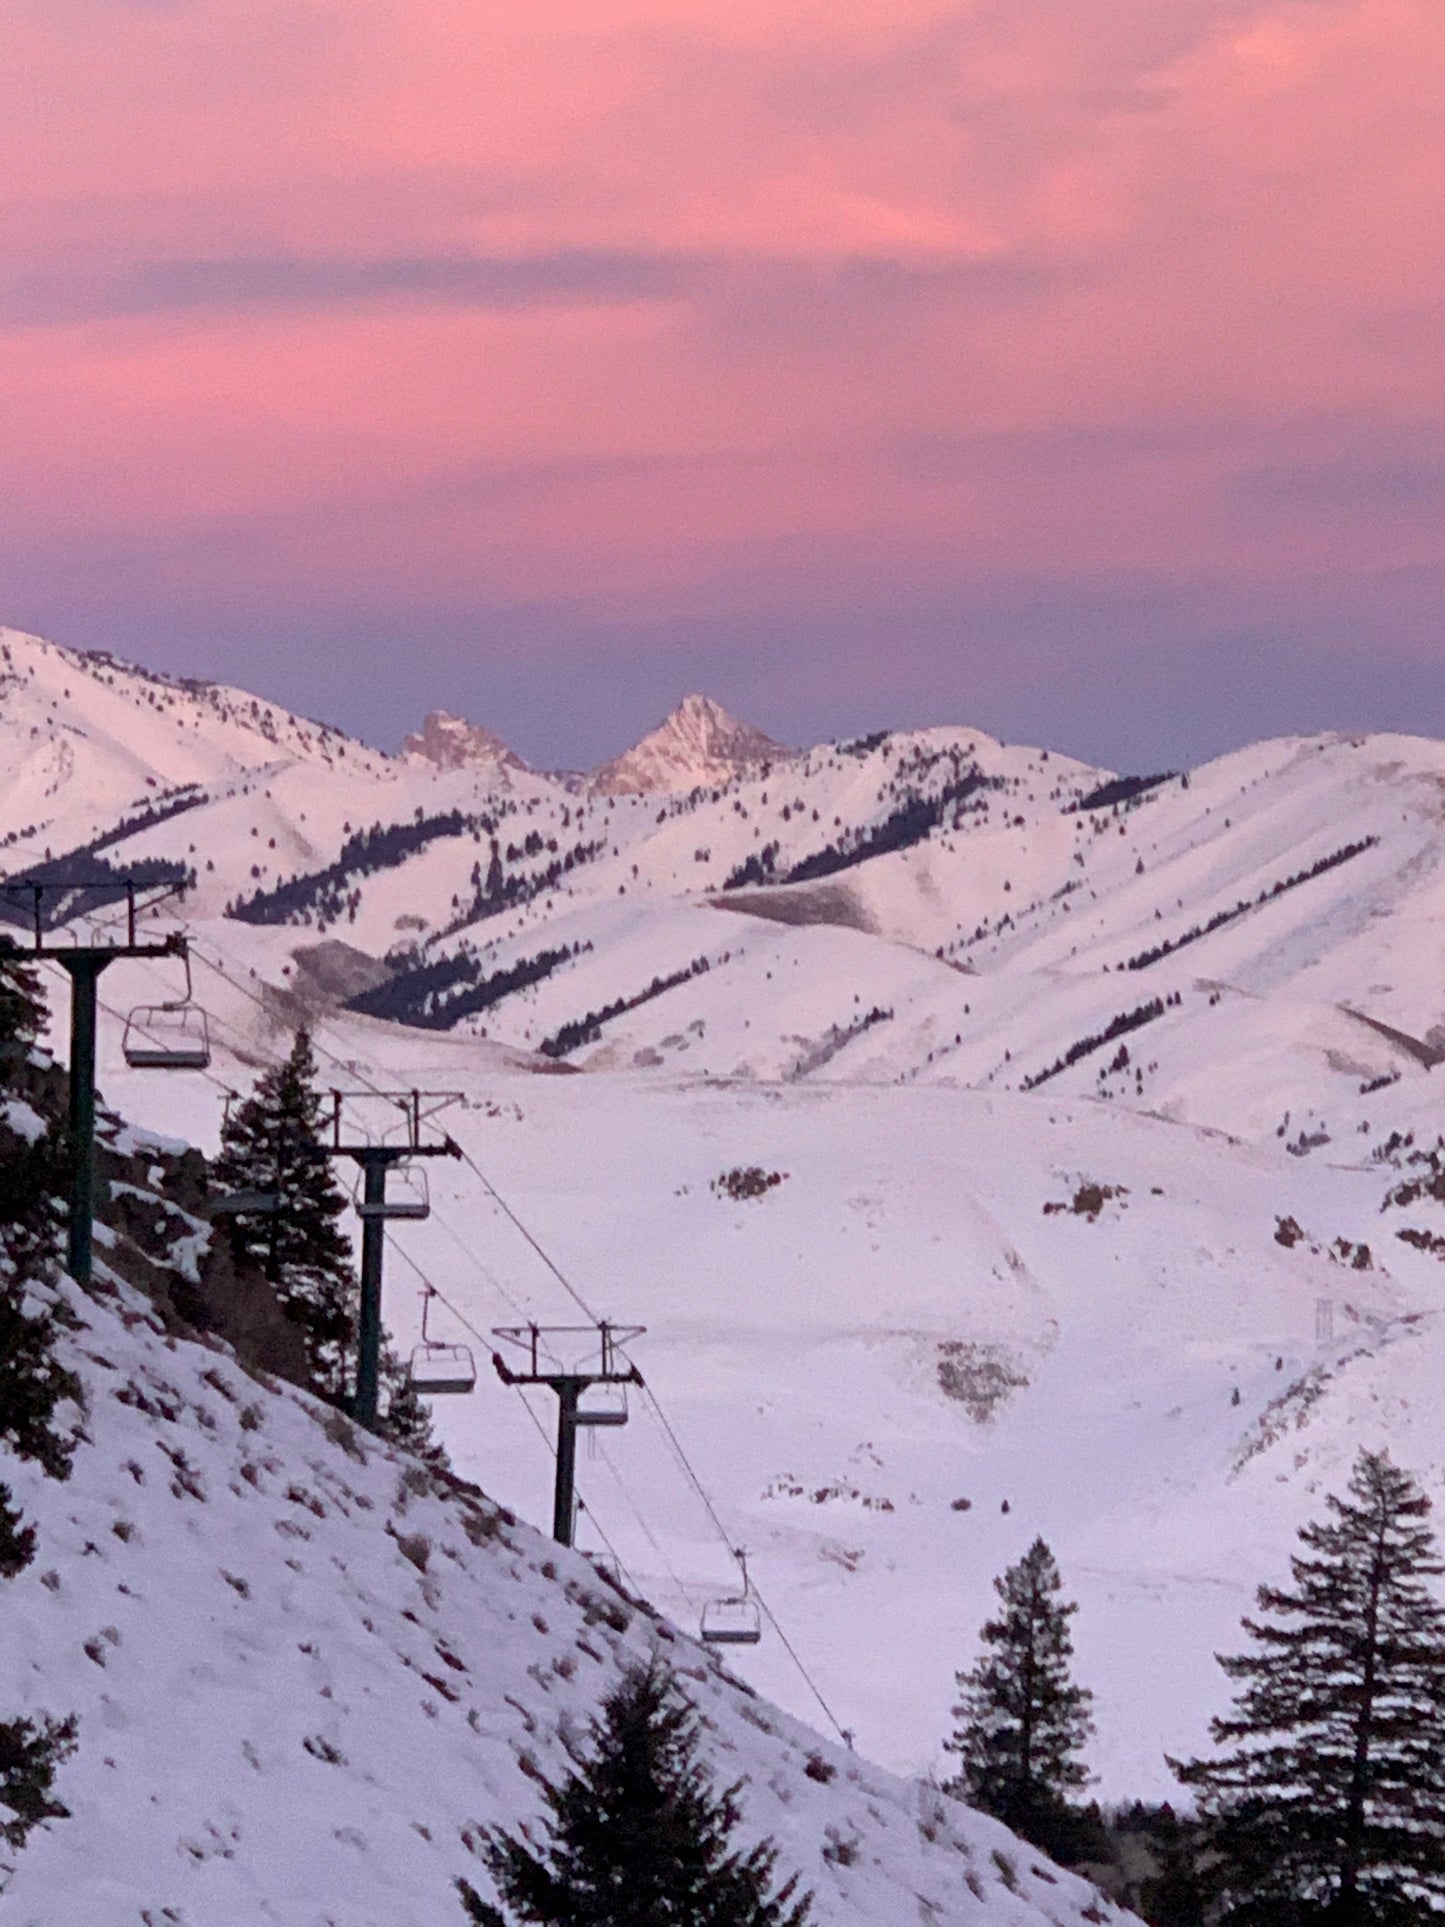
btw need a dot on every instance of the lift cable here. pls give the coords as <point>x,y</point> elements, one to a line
<point>120,1017</point>
<point>406,1257</point>
<point>647,1532</point>
<point>788,1647</point>
<point>467,1158</point>
<point>582,1304</point>
<point>510,1214</point>
<point>540,1428</point>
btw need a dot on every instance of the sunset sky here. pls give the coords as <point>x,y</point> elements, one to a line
<point>1074,368</point>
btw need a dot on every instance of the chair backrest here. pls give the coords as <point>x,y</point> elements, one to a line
<point>440,1369</point>
<point>603,1405</point>
<point>731,1622</point>
<point>167,1037</point>
<point>406,1195</point>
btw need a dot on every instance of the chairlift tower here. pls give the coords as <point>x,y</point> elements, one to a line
<point>24,902</point>
<point>417,1138</point>
<point>571,1388</point>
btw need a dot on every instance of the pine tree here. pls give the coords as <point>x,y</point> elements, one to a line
<point>271,1143</point>
<point>1021,1721</point>
<point>21,1009</point>
<point>1327,1801</point>
<point>33,1383</point>
<point>1175,1895</point>
<point>639,1836</point>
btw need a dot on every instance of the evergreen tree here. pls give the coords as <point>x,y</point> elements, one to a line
<point>21,1008</point>
<point>1175,1895</point>
<point>33,1383</point>
<point>639,1836</point>
<point>1021,1721</point>
<point>271,1143</point>
<point>1327,1802</point>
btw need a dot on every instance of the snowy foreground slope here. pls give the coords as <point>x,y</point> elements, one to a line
<point>306,1677</point>
<point>939,985</point>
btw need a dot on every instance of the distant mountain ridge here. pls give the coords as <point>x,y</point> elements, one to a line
<point>699,743</point>
<point>451,742</point>
<point>1089,1086</point>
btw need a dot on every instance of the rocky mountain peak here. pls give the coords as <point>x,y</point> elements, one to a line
<point>699,743</point>
<point>451,742</point>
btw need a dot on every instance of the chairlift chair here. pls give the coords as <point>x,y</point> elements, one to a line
<point>245,1204</point>
<point>731,1622</point>
<point>436,1369</point>
<point>168,1037</point>
<point>406,1196</point>
<point>439,1369</point>
<point>735,1620</point>
<point>602,1404</point>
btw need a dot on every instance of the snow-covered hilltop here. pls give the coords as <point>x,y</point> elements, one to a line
<point>85,737</point>
<point>1084,1095</point>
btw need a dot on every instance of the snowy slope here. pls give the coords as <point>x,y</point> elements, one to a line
<point>307,1677</point>
<point>939,982</point>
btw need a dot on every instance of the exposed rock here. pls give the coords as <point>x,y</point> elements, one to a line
<point>451,742</point>
<point>698,744</point>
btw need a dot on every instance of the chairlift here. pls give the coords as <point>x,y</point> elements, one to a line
<point>245,1204</point>
<point>406,1194</point>
<point>168,1037</point>
<point>602,1403</point>
<point>735,1620</point>
<point>174,1036</point>
<point>436,1369</point>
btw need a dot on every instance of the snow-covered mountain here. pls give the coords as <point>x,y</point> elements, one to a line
<point>1047,1063</point>
<point>451,742</point>
<point>86,740</point>
<point>698,745</point>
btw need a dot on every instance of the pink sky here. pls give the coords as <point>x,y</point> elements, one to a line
<point>885,360</point>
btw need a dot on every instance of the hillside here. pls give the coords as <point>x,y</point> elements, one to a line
<point>941,986</point>
<point>308,1676</point>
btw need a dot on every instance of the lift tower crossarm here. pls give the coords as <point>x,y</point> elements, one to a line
<point>24,899</point>
<point>569,1387</point>
<point>375,1158</point>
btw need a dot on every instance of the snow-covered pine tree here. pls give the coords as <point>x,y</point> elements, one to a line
<point>33,1383</point>
<point>1021,1720</point>
<point>639,1837</point>
<point>21,1010</point>
<point>1326,1802</point>
<point>271,1144</point>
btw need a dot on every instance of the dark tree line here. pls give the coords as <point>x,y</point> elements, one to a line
<point>588,1029</point>
<point>1222,917</point>
<point>1119,789</point>
<point>1119,1026</point>
<point>915,818</point>
<point>104,886</point>
<point>498,892</point>
<point>436,995</point>
<point>381,847</point>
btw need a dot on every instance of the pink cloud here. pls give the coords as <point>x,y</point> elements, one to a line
<point>638,296</point>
